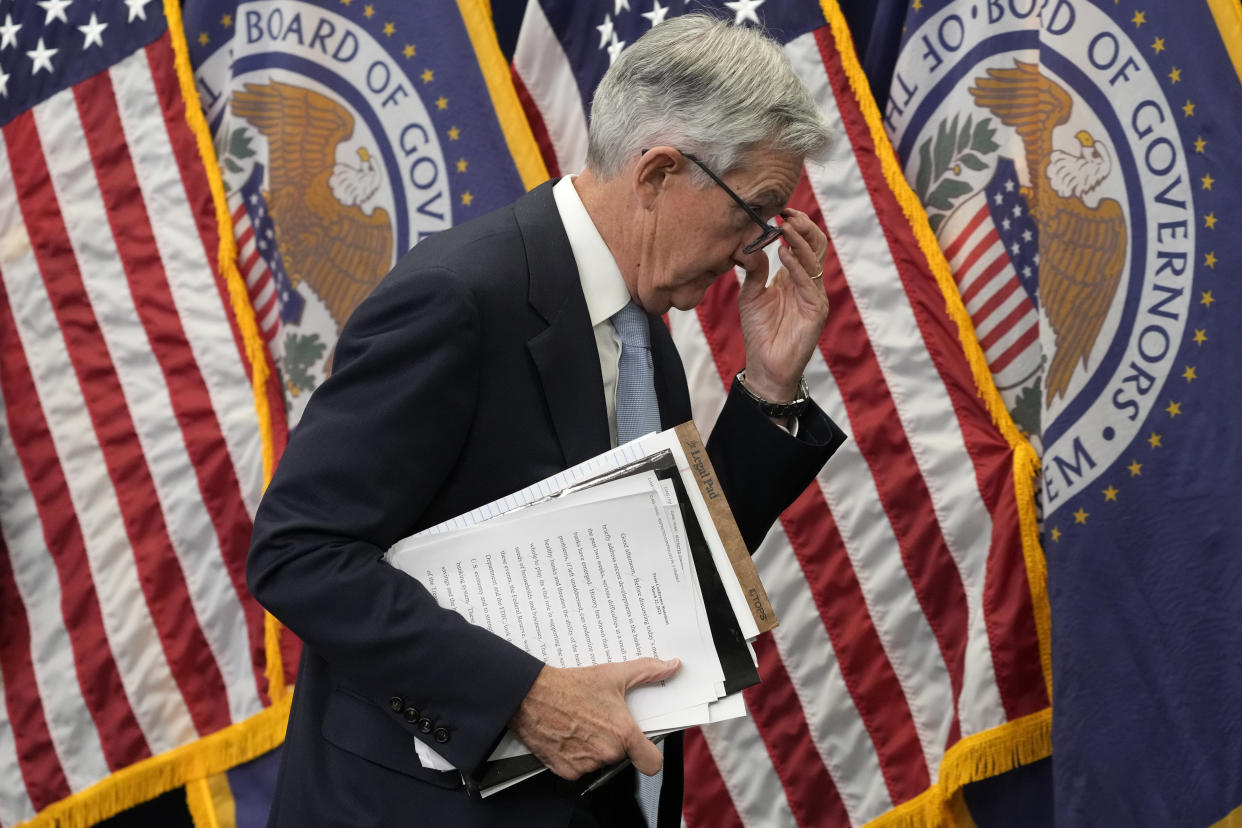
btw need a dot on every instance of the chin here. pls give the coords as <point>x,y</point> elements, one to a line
<point>689,299</point>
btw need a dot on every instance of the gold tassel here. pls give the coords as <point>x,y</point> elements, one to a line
<point>151,777</point>
<point>1024,740</point>
<point>476,16</point>
<point>238,296</point>
<point>190,764</point>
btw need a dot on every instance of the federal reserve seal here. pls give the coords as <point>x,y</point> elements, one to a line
<point>346,133</point>
<point>1042,142</point>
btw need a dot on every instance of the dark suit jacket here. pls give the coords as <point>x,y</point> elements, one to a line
<point>471,372</point>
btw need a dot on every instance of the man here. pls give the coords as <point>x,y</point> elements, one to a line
<point>490,358</point>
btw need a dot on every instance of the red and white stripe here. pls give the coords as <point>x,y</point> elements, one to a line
<point>130,455</point>
<point>549,93</point>
<point>260,285</point>
<point>1004,317</point>
<point>905,615</point>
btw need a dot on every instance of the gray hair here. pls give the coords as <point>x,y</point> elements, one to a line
<point>704,86</point>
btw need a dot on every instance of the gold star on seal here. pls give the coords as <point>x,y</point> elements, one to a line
<point>1136,468</point>
<point>466,198</point>
<point>1056,534</point>
<point>408,51</point>
<point>1158,45</point>
<point>461,165</point>
<point>1174,408</point>
<point>428,76</point>
<point>1210,259</point>
<point>1175,75</point>
<point>441,102</point>
<point>1139,18</point>
<point>1209,221</point>
<point>1207,181</point>
<point>1207,299</point>
<point>389,28</point>
<point>1190,374</point>
<point>203,39</point>
<point>1110,493</point>
<point>1154,440</point>
<point>1081,515</point>
<point>453,133</point>
<point>1188,108</point>
<point>368,11</point>
<point>227,20</point>
<point>1200,144</point>
<point>1200,336</point>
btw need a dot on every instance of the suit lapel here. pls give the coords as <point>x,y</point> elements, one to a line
<point>564,353</point>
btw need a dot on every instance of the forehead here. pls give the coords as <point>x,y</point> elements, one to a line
<point>766,178</point>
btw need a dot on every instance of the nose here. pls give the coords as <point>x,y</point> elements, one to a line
<point>750,261</point>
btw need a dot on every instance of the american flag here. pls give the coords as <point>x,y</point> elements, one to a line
<point>271,293</point>
<point>911,657</point>
<point>131,457</point>
<point>992,244</point>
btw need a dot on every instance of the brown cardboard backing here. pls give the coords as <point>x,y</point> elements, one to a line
<point>696,452</point>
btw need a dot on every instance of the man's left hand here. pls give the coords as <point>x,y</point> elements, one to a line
<point>781,322</point>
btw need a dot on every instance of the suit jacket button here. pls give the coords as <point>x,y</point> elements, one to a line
<point>424,725</point>
<point>396,703</point>
<point>410,714</point>
<point>441,734</point>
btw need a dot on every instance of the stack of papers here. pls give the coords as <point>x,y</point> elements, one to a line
<point>617,559</point>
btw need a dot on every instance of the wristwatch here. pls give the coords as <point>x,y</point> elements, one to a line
<point>793,408</point>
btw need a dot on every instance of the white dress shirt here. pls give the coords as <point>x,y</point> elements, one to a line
<point>602,285</point>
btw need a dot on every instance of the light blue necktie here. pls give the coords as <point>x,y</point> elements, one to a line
<point>637,410</point>
<point>638,413</point>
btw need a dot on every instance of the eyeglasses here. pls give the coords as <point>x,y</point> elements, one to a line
<point>769,232</point>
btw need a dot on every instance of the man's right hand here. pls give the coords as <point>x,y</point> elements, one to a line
<point>575,718</point>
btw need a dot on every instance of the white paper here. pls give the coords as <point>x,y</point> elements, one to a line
<point>503,565</point>
<point>601,464</point>
<point>602,583</point>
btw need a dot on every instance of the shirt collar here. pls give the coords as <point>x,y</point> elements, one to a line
<point>602,283</point>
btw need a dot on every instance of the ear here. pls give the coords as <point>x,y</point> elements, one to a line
<point>653,171</point>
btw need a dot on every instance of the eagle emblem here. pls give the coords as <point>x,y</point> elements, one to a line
<point>1082,249</point>
<point>324,236</point>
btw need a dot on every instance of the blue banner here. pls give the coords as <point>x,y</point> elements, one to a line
<point>373,125</point>
<point>1119,121</point>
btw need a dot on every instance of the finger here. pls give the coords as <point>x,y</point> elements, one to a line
<point>647,670</point>
<point>799,243</point>
<point>806,282</point>
<point>564,770</point>
<point>800,222</point>
<point>644,754</point>
<point>803,226</point>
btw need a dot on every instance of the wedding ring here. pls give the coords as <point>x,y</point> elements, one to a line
<point>819,275</point>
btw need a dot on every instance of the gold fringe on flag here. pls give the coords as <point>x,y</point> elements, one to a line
<point>198,800</point>
<point>477,17</point>
<point>1028,739</point>
<point>256,351</point>
<point>243,310</point>
<point>980,756</point>
<point>1026,462</point>
<point>191,764</point>
<point>145,780</point>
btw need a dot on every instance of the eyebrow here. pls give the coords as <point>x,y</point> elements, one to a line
<point>768,197</point>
